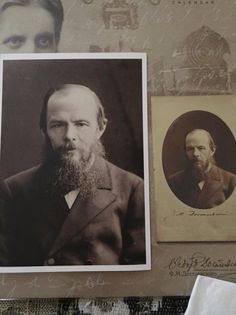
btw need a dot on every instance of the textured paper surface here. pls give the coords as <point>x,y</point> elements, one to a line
<point>165,29</point>
<point>190,44</point>
<point>174,270</point>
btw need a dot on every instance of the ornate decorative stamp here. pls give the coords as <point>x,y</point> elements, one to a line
<point>200,64</point>
<point>120,14</point>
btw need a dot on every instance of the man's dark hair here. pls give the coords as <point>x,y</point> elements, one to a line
<point>101,118</point>
<point>53,6</point>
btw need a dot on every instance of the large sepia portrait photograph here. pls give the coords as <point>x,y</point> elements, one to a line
<point>74,192</point>
<point>194,156</point>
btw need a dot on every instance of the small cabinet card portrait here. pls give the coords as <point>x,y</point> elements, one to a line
<point>194,151</point>
<point>74,189</point>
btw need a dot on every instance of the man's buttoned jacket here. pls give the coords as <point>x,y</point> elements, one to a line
<point>106,229</point>
<point>218,186</point>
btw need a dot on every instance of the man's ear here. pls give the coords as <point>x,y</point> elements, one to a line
<point>213,151</point>
<point>43,133</point>
<point>100,131</point>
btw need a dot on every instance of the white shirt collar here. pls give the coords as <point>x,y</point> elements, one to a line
<point>70,197</point>
<point>201,184</point>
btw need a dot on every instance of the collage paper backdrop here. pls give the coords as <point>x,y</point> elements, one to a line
<point>191,47</point>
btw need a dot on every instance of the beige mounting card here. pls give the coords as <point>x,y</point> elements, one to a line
<point>184,211</point>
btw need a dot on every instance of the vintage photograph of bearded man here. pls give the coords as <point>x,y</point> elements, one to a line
<point>202,184</point>
<point>76,207</point>
<point>203,176</point>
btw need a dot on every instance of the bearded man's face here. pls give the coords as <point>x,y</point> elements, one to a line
<point>72,124</point>
<point>73,137</point>
<point>199,153</point>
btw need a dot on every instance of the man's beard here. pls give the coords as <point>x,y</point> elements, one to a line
<point>68,174</point>
<point>199,170</point>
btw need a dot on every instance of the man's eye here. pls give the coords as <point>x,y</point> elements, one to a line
<point>57,125</point>
<point>44,41</point>
<point>201,148</point>
<point>188,149</point>
<point>14,42</point>
<point>81,124</point>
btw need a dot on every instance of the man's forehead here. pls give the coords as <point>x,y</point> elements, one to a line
<point>76,96</point>
<point>197,136</point>
<point>74,91</point>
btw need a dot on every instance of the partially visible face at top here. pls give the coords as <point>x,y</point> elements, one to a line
<point>198,149</point>
<point>27,29</point>
<point>72,125</point>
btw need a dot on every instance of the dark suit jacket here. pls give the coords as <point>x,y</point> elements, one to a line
<point>218,186</point>
<point>108,229</point>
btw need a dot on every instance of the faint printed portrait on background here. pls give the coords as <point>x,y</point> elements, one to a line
<point>198,159</point>
<point>29,26</point>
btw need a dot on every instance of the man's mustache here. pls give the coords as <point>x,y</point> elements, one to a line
<point>51,153</point>
<point>65,148</point>
<point>195,163</point>
<point>69,146</point>
<point>195,160</point>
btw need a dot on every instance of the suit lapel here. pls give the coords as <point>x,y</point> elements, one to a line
<point>50,209</point>
<point>83,212</point>
<point>190,190</point>
<point>56,211</point>
<point>211,186</point>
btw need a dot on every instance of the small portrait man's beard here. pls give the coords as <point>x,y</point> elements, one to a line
<point>68,174</point>
<point>199,169</point>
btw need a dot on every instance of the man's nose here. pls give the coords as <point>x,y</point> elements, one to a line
<point>196,152</point>
<point>70,133</point>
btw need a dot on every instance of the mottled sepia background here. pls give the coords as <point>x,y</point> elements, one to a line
<point>191,47</point>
